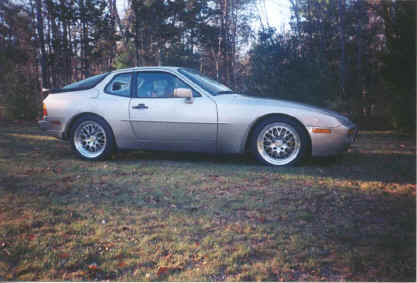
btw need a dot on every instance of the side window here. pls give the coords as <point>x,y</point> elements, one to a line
<point>159,85</point>
<point>119,85</point>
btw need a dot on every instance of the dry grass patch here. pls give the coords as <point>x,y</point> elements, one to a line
<point>181,217</point>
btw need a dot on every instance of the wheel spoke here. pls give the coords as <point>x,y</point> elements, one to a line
<point>90,139</point>
<point>278,143</point>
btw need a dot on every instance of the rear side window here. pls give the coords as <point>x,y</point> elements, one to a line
<point>119,85</point>
<point>85,84</point>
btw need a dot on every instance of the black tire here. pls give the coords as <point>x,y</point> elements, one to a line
<point>109,145</point>
<point>304,142</point>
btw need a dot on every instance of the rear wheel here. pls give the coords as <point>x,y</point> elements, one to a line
<point>279,142</point>
<point>92,138</point>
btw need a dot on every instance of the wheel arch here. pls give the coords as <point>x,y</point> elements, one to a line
<point>277,116</point>
<point>69,125</point>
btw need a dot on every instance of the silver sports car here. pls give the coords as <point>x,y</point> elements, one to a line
<point>179,109</point>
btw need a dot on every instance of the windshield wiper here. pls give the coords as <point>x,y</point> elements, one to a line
<point>225,92</point>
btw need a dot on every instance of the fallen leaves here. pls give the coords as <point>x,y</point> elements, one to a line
<point>92,266</point>
<point>63,255</point>
<point>256,216</point>
<point>3,247</point>
<point>121,264</point>
<point>198,218</point>
<point>42,170</point>
<point>104,246</point>
<point>31,237</point>
<point>164,270</point>
<point>67,179</point>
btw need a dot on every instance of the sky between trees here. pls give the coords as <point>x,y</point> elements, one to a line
<point>354,56</point>
<point>274,12</point>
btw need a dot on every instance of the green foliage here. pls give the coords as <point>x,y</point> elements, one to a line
<point>356,57</point>
<point>277,70</point>
<point>399,60</point>
<point>125,58</point>
<point>20,97</point>
<point>180,55</point>
<point>19,87</point>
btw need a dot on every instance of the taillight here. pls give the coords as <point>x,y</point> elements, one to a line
<point>44,111</point>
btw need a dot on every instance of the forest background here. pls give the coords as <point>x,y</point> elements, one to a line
<point>354,56</point>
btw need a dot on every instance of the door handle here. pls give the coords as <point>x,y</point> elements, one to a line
<point>140,106</point>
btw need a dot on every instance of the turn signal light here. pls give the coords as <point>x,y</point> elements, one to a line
<point>44,111</point>
<point>321,131</point>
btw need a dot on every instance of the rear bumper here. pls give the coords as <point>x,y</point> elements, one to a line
<point>338,141</point>
<point>51,128</point>
<point>44,125</point>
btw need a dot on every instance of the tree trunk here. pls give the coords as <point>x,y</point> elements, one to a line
<point>39,27</point>
<point>341,4</point>
<point>359,53</point>
<point>84,41</point>
<point>65,54</point>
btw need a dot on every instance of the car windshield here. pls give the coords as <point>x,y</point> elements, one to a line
<point>209,85</point>
<point>86,83</point>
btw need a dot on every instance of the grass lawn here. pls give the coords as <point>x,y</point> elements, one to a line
<point>181,217</point>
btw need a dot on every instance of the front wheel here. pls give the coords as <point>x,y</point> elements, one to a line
<point>91,138</point>
<point>279,142</point>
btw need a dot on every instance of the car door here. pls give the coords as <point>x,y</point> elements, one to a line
<point>163,122</point>
<point>113,104</point>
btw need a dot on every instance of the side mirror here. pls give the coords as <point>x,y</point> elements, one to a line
<point>185,93</point>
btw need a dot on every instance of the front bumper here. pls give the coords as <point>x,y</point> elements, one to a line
<point>338,141</point>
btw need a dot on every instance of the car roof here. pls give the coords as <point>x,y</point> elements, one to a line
<point>166,68</point>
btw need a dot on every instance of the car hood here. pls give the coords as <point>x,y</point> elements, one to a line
<point>256,101</point>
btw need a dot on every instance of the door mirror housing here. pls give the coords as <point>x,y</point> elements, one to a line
<point>185,93</point>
